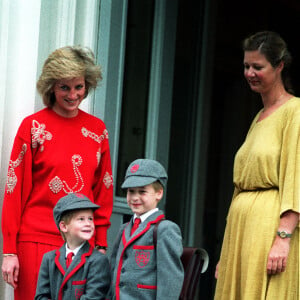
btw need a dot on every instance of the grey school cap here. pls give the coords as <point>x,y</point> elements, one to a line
<point>72,201</point>
<point>142,172</point>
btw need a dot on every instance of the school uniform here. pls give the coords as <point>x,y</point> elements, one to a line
<point>141,272</point>
<point>87,277</point>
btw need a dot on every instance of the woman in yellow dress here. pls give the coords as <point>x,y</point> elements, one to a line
<point>260,252</point>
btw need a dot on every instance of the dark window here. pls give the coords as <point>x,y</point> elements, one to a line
<point>136,85</point>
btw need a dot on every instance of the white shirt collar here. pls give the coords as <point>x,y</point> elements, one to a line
<point>144,216</point>
<point>75,251</point>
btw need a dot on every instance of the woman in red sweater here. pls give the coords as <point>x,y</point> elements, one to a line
<point>57,150</point>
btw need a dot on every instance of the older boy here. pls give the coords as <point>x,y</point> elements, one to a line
<point>76,270</point>
<point>140,269</point>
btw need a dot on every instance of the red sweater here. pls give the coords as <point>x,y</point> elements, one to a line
<point>51,157</point>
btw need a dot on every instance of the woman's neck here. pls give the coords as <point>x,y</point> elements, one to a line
<point>275,98</point>
<point>272,100</point>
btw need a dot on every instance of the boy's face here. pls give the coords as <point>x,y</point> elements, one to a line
<point>80,229</point>
<point>143,199</point>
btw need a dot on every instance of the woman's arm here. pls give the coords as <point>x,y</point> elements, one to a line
<point>278,255</point>
<point>17,189</point>
<point>10,270</point>
<point>103,194</point>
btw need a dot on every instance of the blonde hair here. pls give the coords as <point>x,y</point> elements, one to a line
<point>67,63</point>
<point>157,186</point>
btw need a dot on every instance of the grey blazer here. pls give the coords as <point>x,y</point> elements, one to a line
<point>138,270</point>
<point>88,276</point>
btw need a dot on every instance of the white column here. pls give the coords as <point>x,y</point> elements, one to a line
<point>19,45</point>
<point>4,11</point>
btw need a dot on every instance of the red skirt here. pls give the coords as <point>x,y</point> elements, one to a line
<point>30,257</point>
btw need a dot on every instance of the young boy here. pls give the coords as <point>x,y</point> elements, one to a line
<point>76,270</point>
<point>140,269</point>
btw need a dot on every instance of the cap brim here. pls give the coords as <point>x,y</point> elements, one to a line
<point>136,181</point>
<point>84,205</point>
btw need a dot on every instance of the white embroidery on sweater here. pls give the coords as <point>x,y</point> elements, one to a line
<point>98,138</point>
<point>11,180</point>
<point>39,134</point>
<point>56,184</point>
<point>108,180</point>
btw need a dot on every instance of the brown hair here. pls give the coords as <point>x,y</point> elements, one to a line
<point>66,218</point>
<point>67,63</point>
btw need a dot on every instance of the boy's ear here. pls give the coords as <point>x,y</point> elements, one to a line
<point>159,194</point>
<point>63,226</point>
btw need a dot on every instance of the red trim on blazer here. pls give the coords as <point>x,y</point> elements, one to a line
<point>143,247</point>
<point>59,266</point>
<point>82,262</point>
<point>128,243</point>
<point>120,267</point>
<point>79,282</point>
<point>148,287</point>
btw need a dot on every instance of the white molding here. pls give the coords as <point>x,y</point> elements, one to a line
<point>4,11</point>
<point>86,34</point>
<point>20,48</point>
<point>155,80</point>
<point>65,23</point>
<point>87,23</point>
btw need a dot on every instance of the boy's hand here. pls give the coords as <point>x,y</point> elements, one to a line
<point>10,270</point>
<point>102,251</point>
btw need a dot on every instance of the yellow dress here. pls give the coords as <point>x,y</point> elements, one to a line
<point>267,183</point>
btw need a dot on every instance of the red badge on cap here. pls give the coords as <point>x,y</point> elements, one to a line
<point>134,168</point>
<point>79,195</point>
